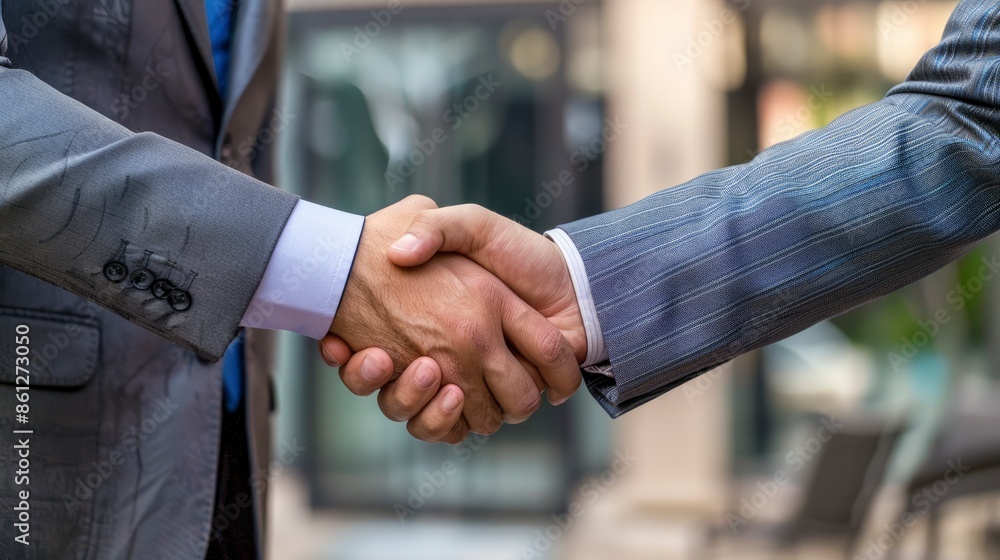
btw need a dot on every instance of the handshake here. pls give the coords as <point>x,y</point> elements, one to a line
<point>462,341</point>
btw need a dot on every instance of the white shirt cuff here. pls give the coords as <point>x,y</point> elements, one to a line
<point>305,278</point>
<point>596,351</point>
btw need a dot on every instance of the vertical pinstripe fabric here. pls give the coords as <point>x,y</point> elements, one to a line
<point>742,257</point>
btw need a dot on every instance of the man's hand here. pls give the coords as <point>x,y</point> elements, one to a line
<point>527,262</point>
<point>456,313</point>
<point>531,265</point>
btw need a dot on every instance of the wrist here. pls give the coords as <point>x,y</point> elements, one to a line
<point>592,350</point>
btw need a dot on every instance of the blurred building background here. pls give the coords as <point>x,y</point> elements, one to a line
<point>870,436</point>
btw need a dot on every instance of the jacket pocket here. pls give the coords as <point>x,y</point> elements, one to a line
<point>62,350</point>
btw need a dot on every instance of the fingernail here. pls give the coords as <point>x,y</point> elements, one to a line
<point>330,360</point>
<point>425,377</point>
<point>450,403</point>
<point>406,243</point>
<point>370,370</point>
<point>559,401</point>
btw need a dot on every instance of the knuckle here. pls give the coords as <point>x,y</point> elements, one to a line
<point>484,285</point>
<point>552,347</point>
<point>392,408</point>
<point>419,431</point>
<point>428,430</point>
<point>421,201</point>
<point>474,210</point>
<point>485,420</point>
<point>524,409</point>
<point>424,219</point>
<point>354,385</point>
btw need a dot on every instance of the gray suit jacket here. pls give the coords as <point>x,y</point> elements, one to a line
<point>739,258</point>
<point>111,119</point>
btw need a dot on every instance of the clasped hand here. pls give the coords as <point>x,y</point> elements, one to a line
<point>463,340</point>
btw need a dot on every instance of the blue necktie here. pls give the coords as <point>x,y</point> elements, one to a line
<point>232,374</point>
<point>220,28</point>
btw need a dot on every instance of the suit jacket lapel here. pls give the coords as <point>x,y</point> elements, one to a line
<point>252,38</point>
<point>197,22</point>
<point>3,33</point>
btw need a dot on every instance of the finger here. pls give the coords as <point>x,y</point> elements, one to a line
<point>334,350</point>
<point>542,345</point>
<point>405,397</point>
<point>480,410</point>
<point>463,229</point>
<point>540,387</point>
<point>458,433</point>
<point>441,420</point>
<point>512,386</point>
<point>367,371</point>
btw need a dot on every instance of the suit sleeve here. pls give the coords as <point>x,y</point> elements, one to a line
<point>696,275</point>
<point>102,212</point>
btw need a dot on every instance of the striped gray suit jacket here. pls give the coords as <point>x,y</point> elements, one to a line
<point>739,258</point>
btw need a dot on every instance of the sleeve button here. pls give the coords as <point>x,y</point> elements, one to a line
<point>162,287</point>
<point>179,300</point>
<point>142,279</point>
<point>115,271</point>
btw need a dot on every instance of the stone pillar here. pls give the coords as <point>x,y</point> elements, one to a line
<point>666,61</point>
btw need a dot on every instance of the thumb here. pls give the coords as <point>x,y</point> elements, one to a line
<point>461,229</point>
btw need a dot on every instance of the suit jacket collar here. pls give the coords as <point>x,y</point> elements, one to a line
<point>254,33</point>
<point>252,37</point>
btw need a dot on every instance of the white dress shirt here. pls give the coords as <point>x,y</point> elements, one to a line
<point>307,273</point>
